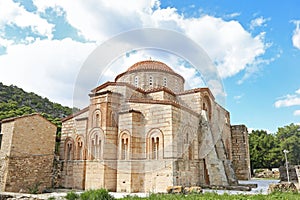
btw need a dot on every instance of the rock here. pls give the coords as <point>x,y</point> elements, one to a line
<point>193,190</point>
<point>282,187</point>
<point>263,173</point>
<point>174,189</point>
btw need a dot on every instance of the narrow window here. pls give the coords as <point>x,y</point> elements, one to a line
<point>150,80</point>
<point>124,148</point>
<point>136,81</point>
<point>155,148</point>
<point>1,139</point>
<point>176,86</point>
<point>97,120</point>
<point>69,151</point>
<point>165,82</point>
<point>79,150</point>
<point>93,150</point>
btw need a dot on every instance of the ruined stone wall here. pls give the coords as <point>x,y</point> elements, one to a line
<point>28,157</point>
<point>240,152</point>
<point>27,173</point>
<point>294,173</point>
<point>189,173</point>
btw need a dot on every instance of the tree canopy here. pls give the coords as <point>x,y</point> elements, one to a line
<point>266,150</point>
<point>15,102</point>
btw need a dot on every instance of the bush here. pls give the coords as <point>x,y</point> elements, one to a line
<point>72,196</point>
<point>100,194</point>
<point>34,189</point>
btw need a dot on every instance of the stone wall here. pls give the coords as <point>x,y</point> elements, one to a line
<point>294,173</point>
<point>24,174</point>
<point>27,153</point>
<point>240,152</point>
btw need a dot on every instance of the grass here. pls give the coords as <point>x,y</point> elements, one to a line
<point>103,194</point>
<point>215,196</point>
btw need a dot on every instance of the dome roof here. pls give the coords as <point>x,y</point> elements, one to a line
<point>150,64</point>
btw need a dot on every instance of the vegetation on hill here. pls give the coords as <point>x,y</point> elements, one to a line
<point>266,150</point>
<point>14,102</point>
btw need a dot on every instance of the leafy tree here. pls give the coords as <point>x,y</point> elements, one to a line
<point>264,149</point>
<point>289,137</point>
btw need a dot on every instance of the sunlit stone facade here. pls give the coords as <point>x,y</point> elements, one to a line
<point>144,132</point>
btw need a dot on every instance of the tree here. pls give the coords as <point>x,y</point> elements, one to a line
<point>264,149</point>
<point>289,137</point>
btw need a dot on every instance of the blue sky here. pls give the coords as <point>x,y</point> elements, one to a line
<point>255,46</point>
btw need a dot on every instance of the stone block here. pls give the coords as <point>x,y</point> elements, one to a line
<point>174,189</point>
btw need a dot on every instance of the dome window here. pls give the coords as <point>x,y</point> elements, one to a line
<point>150,80</point>
<point>136,81</point>
<point>165,82</point>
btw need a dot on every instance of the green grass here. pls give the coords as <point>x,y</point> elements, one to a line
<point>103,194</point>
<point>215,196</point>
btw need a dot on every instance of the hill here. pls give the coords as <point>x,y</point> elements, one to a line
<point>14,101</point>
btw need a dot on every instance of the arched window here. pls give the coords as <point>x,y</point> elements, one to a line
<point>124,146</point>
<point>188,146</point>
<point>136,81</point>
<point>150,80</point>
<point>165,82</point>
<point>206,105</point>
<point>79,148</point>
<point>69,148</point>
<point>155,144</point>
<point>96,118</point>
<point>96,147</point>
<point>176,85</point>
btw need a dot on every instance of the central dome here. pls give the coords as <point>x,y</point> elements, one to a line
<point>150,64</point>
<point>150,74</point>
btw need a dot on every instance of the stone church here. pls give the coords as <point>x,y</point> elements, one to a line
<point>144,132</point>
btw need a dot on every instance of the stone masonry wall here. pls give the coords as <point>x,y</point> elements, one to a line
<point>28,155</point>
<point>240,152</point>
<point>27,173</point>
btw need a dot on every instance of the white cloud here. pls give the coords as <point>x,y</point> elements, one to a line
<point>263,129</point>
<point>257,22</point>
<point>49,67</point>
<point>296,35</point>
<point>296,113</point>
<point>238,97</point>
<point>46,67</point>
<point>12,13</point>
<point>232,15</point>
<point>228,44</point>
<point>288,100</point>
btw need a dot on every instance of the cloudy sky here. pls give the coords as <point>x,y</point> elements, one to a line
<point>254,45</point>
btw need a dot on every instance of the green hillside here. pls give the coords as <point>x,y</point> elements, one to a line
<point>15,101</point>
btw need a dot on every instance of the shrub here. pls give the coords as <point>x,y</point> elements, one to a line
<point>72,196</point>
<point>100,194</point>
<point>34,189</point>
